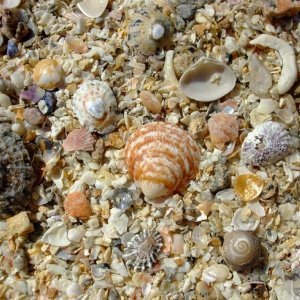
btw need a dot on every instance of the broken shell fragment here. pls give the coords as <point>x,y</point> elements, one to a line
<point>223,129</point>
<point>215,273</point>
<point>248,186</point>
<point>242,249</point>
<point>75,44</point>
<point>289,70</point>
<point>207,80</point>
<point>10,3</point>
<point>47,74</point>
<point>94,105</point>
<point>79,139</point>
<point>161,158</point>
<point>76,205</point>
<point>92,8</point>
<point>266,144</point>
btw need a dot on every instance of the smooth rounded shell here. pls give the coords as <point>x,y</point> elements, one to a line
<point>241,249</point>
<point>94,105</point>
<point>248,186</point>
<point>47,74</point>
<point>207,80</point>
<point>161,158</point>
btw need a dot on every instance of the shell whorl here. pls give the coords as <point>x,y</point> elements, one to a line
<point>241,249</point>
<point>161,158</point>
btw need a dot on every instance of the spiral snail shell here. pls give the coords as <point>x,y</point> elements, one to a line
<point>241,249</point>
<point>161,158</point>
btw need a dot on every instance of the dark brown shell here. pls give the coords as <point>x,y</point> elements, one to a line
<point>16,173</point>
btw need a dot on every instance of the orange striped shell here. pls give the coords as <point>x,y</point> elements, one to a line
<point>161,158</point>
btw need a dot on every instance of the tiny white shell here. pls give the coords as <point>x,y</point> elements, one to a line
<point>207,80</point>
<point>241,223</point>
<point>56,235</point>
<point>94,104</point>
<point>10,3</point>
<point>215,273</point>
<point>92,8</point>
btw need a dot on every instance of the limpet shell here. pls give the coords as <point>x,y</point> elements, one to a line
<point>161,158</point>
<point>248,186</point>
<point>94,105</point>
<point>207,80</point>
<point>47,74</point>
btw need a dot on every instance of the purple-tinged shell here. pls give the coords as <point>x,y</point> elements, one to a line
<point>33,94</point>
<point>266,144</point>
<point>142,250</point>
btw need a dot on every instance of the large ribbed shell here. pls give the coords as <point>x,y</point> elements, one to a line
<point>16,173</point>
<point>161,158</point>
<point>94,105</point>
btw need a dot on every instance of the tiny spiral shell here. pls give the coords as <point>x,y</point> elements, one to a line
<point>241,249</point>
<point>161,158</point>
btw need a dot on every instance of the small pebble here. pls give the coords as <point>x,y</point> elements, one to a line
<point>4,101</point>
<point>33,116</point>
<point>76,234</point>
<point>49,100</point>
<point>76,205</point>
<point>74,290</point>
<point>122,198</point>
<point>12,49</point>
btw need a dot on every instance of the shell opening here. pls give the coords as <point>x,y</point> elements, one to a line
<point>157,31</point>
<point>95,108</point>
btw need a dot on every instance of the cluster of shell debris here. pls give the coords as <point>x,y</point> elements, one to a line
<point>149,149</point>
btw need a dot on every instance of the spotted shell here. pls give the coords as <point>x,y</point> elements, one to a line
<point>161,158</point>
<point>16,173</point>
<point>242,249</point>
<point>94,105</point>
<point>148,31</point>
<point>47,74</point>
<point>142,250</point>
<point>223,129</point>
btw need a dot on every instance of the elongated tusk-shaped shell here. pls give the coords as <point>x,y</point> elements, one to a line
<point>289,65</point>
<point>161,158</point>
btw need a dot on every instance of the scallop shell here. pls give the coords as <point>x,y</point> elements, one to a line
<point>223,129</point>
<point>16,173</point>
<point>79,139</point>
<point>241,249</point>
<point>161,158</point>
<point>94,105</point>
<point>47,74</point>
<point>248,186</point>
<point>148,31</point>
<point>207,80</point>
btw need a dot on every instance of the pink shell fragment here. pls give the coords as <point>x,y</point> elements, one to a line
<point>79,140</point>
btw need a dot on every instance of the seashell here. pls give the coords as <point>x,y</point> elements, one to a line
<point>34,94</point>
<point>73,43</point>
<point>79,140</point>
<point>266,144</point>
<point>207,80</point>
<point>76,205</point>
<point>215,273</point>
<point>92,8</point>
<point>16,173</point>
<point>47,74</point>
<point>242,249</point>
<point>33,116</point>
<point>57,235</point>
<point>266,106</point>
<point>148,31</point>
<point>257,118</point>
<point>248,186</point>
<point>151,102</point>
<point>242,221</point>
<point>200,237</point>
<point>161,158</point>
<point>142,250</point>
<point>10,3</point>
<point>223,129</point>
<point>94,105</point>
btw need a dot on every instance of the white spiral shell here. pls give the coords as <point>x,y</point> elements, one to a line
<point>94,105</point>
<point>161,158</point>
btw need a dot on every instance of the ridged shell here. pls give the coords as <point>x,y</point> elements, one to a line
<point>148,31</point>
<point>79,140</point>
<point>161,158</point>
<point>47,74</point>
<point>16,173</point>
<point>223,129</point>
<point>241,249</point>
<point>94,105</point>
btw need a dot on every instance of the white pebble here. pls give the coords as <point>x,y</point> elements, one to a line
<point>74,290</point>
<point>18,128</point>
<point>76,234</point>
<point>4,101</point>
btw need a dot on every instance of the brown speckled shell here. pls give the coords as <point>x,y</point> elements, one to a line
<point>16,173</point>
<point>223,129</point>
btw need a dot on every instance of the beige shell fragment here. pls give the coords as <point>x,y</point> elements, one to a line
<point>92,8</point>
<point>10,3</point>
<point>207,80</point>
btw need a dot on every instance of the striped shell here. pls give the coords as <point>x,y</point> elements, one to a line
<point>79,140</point>
<point>161,158</point>
<point>93,104</point>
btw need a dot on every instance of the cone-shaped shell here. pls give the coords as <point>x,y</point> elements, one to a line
<point>207,80</point>
<point>79,139</point>
<point>94,105</point>
<point>161,158</point>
